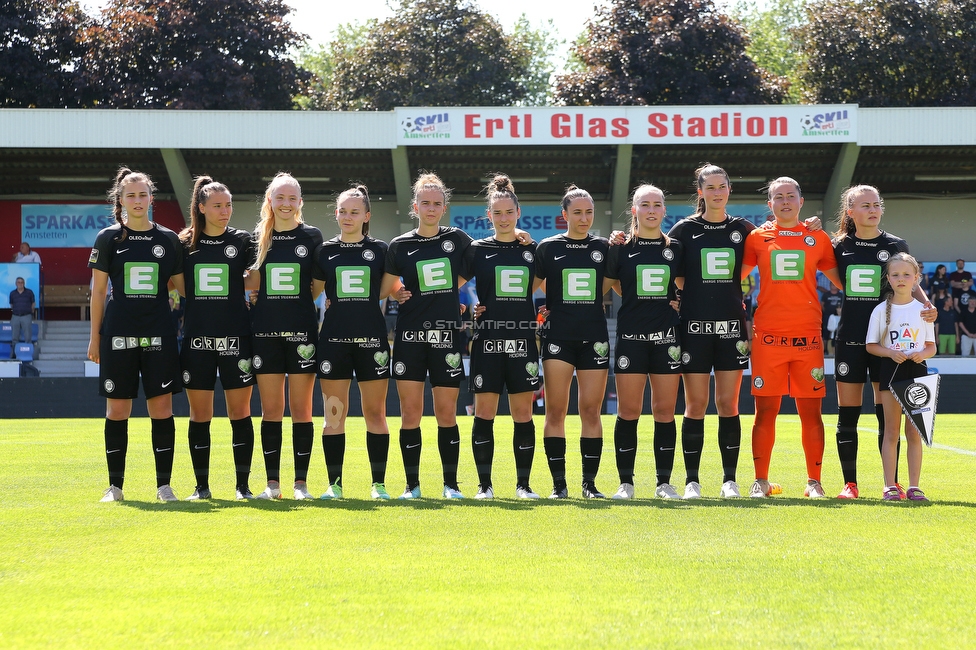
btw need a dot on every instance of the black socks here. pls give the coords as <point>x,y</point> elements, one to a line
<point>164,440</point>
<point>116,445</point>
<point>692,442</point>
<point>198,435</point>
<point>625,445</point>
<point>729,439</point>
<point>483,446</point>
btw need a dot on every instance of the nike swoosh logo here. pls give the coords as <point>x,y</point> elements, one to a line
<point>743,362</point>
<point>846,253</point>
<point>591,457</point>
<point>455,442</point>
<point>634,254</point>
<point>479,442</point>
<point>599,361</point>
<point>666,449</point>
<point>413,446</point>
<point>167,383</point>
<point>623,451</point>
<point>816,388</point>
<point>120,251</point>
<point>159,451</point>
<point>306,364</point>
<point>524,448</point>
<point>203,447</point>
<point>558,257</point>
<point>112,451</point>
<point>332,257</point>
<point>301,454</point>
<point>844,442</point>
<point>412,252</point>
<point>698,235</point>
<point>488,257</point>
<point>238,444</point>
<point>556,459</point>
<point>736,447</point>
<point>273,451</point>
<point>455,373</point>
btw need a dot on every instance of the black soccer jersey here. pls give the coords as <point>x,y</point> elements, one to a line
<point>429,268</point>
<point>285,299</point>
<point>504,273</point>
<point>214,277</point>
<point>573,270</point>
<point>860,263</point>
<point>646,269</point>
<point>139,266</point>
<point>712,267</point>
<point>353,273</point>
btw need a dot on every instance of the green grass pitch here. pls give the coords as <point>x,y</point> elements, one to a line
<point>783,572</point>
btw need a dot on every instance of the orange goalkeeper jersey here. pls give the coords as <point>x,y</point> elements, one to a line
<point>788,260</point>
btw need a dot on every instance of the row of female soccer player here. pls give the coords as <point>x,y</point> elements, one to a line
<point>698,263</point>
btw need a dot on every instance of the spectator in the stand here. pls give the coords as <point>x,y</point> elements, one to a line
<point>390,310</point>
<point>967,329</point>
<point>26,255</point>
<point>22,304</point>
<point>939,280</point>
<point>833,321</point>
<point>946,323</point>
<point>956,277</point>
<point>829,303</point>
<point>963,295</point>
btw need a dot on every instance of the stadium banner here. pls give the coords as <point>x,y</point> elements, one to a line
<point>918,399</point>
<point>583,125</point>
<point>51,225</point>
<point>543,221</point>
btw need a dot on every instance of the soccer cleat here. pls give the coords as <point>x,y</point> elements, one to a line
<point>525,492</point>
<point>625,491</point>
<point>244,493</point>
<point>730,490</point>
<point>590,491</point>
<point>452,493</point>
<point>849,492</point>
<point>814,490</point>
<point>760,489</point>
<point>378,491</point>
<point>915,494</point>
<point>334,492</point>
<point>692,491</point>
<point>901,490</point>
<point>165,493</point>
<point>666,491</point>
<point>485,493</point>
<point>411,492</point>
<point>891,494</point>
<point>301,491</point>
<point>200,493</point>
<point>273,491</point>
<point>559,494</point>
<point>111,494</point>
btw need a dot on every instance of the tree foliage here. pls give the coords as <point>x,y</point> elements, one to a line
<point>38,48</point>
<point>665,52</point>
<point>774,40</point>
<point>191,54</point>
<point>891,52</point>
<point>319,62</point>
<point>432,53</point>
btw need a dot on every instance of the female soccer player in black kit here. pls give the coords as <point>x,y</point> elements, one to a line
<point>648,338</point>
<point>134,334</point>
<point>574,338</point>
<point>349,267</point>
<point>503,350</point>
<point>217,334</point>
<point>284,327</point>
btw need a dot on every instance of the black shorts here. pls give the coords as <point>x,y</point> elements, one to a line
<point>368,358</point>
<point>437,352</point>
<point>202,357</point>
<point>718,345</point>
<point>124,358</point>
<point>582,355</point>
<point>853,362</point>
<point>891,371</point>
<point>277,355</point>
<point>658,353</point>
<point>504,363</point>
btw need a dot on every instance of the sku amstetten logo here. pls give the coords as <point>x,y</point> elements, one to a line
<point>827,123</point>
<point>426,127</point>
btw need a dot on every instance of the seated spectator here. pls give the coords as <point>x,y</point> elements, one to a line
<point>26,255</point>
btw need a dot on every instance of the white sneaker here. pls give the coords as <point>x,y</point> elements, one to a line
<point>525,492</point>
<point>760,489</point>
<point>625,491</point>
<point>692,491</point>
<point>451,493</point>
<point>165,493</point>
<point>485,493</point>
<point>730,490</point>
<point>111,494</point>
<point>814,490</point>
<point>273,491</point>
<point>666,491</point>
<point>301,491</point>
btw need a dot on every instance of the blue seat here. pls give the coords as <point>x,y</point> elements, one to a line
<point>5,349</point>
<point>24,351</point>
<point>6,332</point>
<point>34,332</point>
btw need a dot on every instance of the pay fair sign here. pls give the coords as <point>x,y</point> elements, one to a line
<point>626,125</point>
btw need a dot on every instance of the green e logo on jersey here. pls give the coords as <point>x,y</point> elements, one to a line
<point>579,284</point>
<point>141,278</point>
<point>352,281</point>
<point>653,279</point>
<point>283,279</point>
<point>212,279</point>
<point>863,281</point>
<point>717,263</point>
<point>787,265</point>
<point>435,274</point>
<point>511,281</point>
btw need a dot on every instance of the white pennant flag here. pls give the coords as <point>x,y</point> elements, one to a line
<point>918,398</point>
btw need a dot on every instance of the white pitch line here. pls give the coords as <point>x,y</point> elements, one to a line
<point>965,452</point>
